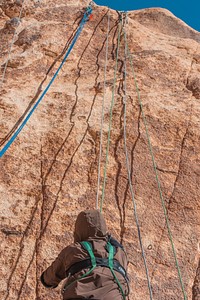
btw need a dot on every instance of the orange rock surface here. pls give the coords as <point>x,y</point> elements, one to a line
<point>49,174</point>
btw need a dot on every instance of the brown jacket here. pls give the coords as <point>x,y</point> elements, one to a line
<point>90,226</point>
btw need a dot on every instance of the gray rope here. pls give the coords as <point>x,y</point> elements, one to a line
<point>102,114</point>
<point>111,116</point>
<point>158,181</point>
<point>129,172</point>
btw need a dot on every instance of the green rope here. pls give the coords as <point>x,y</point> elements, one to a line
<point>102,113</point>
<point>128,167</point>
<point>86,245</point>
<point>157,177</point>
<point>110,121</point>
<point>67,286</point>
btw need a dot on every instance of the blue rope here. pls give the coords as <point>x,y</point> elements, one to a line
<point>12,139</point>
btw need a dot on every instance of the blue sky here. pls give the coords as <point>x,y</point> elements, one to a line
<point>188,11</point>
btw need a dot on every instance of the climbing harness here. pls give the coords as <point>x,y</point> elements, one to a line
<point>92,262</point>
<point>11,45</point>
<point>128,164</point>
<point>102,113</point>
<point>111,113</point>
<point>107,151</point>
<point>79,30</point>
<point>156,174</point>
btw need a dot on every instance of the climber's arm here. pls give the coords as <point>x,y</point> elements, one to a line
<point>55,273</point>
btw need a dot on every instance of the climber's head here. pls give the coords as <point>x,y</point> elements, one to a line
<point>89,224</point>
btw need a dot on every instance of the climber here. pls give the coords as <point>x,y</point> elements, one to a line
<point>94,266</point>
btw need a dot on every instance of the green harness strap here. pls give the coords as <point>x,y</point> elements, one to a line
<point>110,264</point>
<point>87,246</point>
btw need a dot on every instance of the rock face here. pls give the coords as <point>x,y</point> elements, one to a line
<point>49,174</point>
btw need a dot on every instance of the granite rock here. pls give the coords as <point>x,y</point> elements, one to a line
<point>49,174</point>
